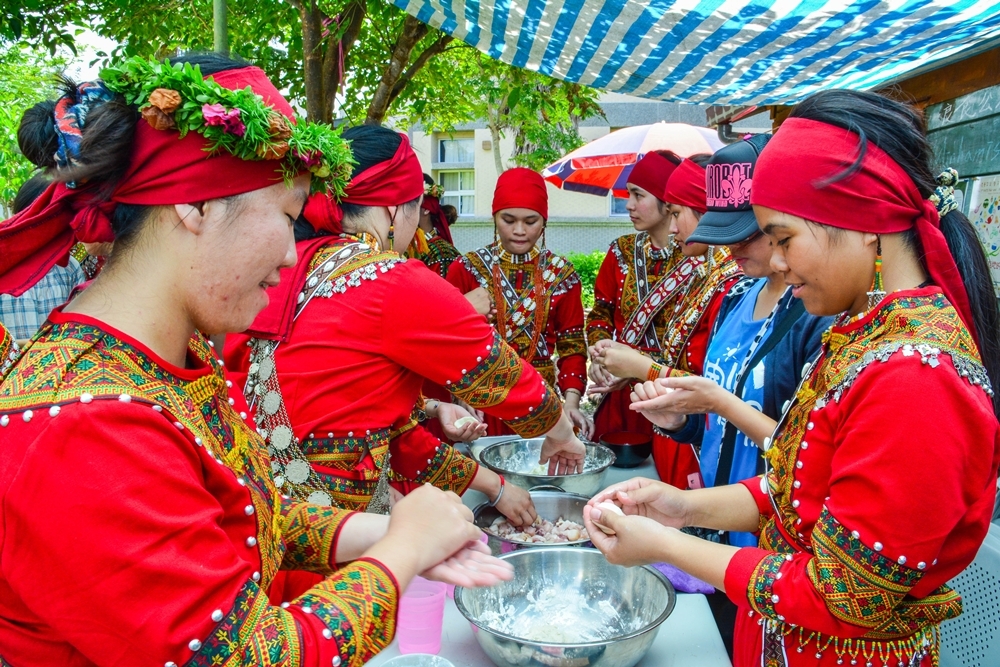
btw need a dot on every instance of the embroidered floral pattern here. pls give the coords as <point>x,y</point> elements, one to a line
<point>8,351</point>
<point>688,310</point>
<point>540,420</point>
<point>490,382</point>
<point>358,608</point>
<point>447,470</point>
<point>310,535</point>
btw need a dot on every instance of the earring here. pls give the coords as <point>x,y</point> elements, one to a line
<point>544,247</point>
<point>877,292</point>
<point>392,233</point>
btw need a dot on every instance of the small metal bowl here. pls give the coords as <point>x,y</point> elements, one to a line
<point>549,505</point>
<point>640,597</point>
<point>631,449</point>
<point>516,459</point>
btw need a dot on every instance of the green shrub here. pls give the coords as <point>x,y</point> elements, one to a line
<point>587,265</point>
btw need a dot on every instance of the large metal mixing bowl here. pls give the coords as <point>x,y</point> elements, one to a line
<point>550,505</point>
<point>640,597</point>
<point>515,461</point>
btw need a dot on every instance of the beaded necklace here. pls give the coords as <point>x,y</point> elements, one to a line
<point>537,295</point>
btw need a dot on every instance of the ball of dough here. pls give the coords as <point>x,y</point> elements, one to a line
<point>464,421</point>
<point>607,506</point>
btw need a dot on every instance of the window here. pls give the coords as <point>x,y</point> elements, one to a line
<point>618,206</point>
<point>459,189</point>
<point>456,150</point>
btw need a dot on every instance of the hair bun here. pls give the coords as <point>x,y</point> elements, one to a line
<point>948,178</point>
<point>36,136</point>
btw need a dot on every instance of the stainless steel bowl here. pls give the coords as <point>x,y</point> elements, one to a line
<point>630,605</point>
<point>478,445</point>
<point>516,459</point>
<point>549,505</point>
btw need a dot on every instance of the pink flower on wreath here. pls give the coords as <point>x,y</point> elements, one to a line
<point>229,121</point>
<point>310,158</point>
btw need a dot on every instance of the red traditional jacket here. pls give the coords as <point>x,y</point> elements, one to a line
<point>139,522</point>
<point>683,349</point>
<point>355,360</point>
<point>880,490</point>
<point>635,292</point>
<point>540,299</point>
<point>440,254</point>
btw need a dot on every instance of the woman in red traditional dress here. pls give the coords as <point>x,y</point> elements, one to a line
<point>435,230</point>
<point>883,468</point>
<point>139,520</point>
<point>685,337</point>
<point>349,338</point>
<point>535,293</point>
<point>637,286</point>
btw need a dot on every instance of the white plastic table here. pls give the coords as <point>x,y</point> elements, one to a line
<point>689,636</point>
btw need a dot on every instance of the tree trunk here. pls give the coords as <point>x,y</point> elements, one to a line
<point>322,71</point>
<point>413,31</point>
<point>495,138</point>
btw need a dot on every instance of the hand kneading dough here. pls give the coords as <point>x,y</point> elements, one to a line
<point>464,421</point>
<point>608,506</point>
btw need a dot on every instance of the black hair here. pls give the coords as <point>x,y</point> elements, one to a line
<point>898,129</point>
<point>105,144</point>
<point>370,145</point>
<point>29,191</point>
<point>428,179</point>
<point>700,159</point>
<point>673,157</point>
<point>450,213</point>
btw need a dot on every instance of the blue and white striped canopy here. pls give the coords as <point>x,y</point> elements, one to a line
<point>717,51</point>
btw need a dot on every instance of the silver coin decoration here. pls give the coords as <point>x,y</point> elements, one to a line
<point>266,368</point>
<point>297,471</point>
<point>320,498</point>
<point>281,437</point>
<point>271,402</point>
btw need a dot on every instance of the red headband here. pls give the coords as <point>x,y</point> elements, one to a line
<point>651,173</point>
<point>521,188</point>
<point>432,205</point>
<point>163,170</point>
<point>396,181</point>
<point>792,176</point>
<point>686,186</point>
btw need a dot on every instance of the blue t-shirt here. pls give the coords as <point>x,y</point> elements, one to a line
<point>727,351</point>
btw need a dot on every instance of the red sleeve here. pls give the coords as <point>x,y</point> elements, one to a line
<point>418,456</point>
<point>445,340</point>
<point>909,503</point>
<point>607,291</point>
<point>566,317</point>
<point>132,560</point>
<point>460,277</point>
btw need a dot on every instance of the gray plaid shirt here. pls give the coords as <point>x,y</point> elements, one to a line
<point>24,315</point>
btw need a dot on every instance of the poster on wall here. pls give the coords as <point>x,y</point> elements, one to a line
<point>984,212</point>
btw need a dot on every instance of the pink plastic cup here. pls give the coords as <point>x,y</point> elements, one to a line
<point>421,617</point>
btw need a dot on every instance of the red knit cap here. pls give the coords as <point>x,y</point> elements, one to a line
<point>521,188</point>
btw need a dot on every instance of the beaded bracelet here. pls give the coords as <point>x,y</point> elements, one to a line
<point>499,495</point>
<point>654,371</point>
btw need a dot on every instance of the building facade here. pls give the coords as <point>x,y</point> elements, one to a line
<point>463,163</point>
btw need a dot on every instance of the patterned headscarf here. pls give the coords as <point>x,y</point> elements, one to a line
<point>71,114</point>
<point>944,194</point>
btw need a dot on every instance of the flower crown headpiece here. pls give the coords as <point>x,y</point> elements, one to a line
<point>176,97</point>
<point>434,190</point>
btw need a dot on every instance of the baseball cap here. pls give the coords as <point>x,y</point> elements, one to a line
<point>729,174</point>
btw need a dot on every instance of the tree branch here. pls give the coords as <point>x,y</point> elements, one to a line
<point>413,31</point>
<point>411,71</point>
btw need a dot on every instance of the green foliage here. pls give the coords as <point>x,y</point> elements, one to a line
<point>26,78</point>
<point>587,266</point>
<point>540,113</point>
<point>264,133</point>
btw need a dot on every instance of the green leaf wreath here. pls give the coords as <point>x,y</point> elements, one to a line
<point>176,97</point>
